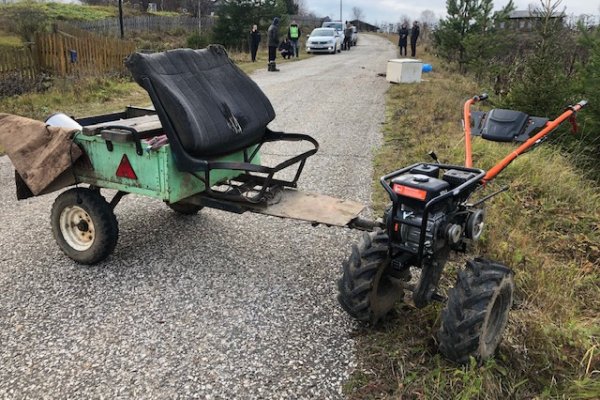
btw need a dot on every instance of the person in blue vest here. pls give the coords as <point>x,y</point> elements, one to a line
<point>294,36</point>
<point>273,43</point>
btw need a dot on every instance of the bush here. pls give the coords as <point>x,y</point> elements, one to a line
<point>27,20</point>
<point>198,41</point>
<point>13,83</point>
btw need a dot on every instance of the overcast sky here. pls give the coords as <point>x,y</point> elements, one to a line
<point>377,11</point>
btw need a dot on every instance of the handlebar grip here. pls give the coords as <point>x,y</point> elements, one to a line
<point>582,103</point>
<point>483,96</point>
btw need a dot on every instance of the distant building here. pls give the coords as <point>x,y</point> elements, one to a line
<point>526,20</point>
<point>363,26</point>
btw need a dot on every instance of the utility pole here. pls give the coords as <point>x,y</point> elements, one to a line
<point>341,19</point>
<point>199,17</point>
<point>121,18</point>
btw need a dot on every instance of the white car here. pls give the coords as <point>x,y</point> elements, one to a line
<point>338,26</point>
<point>324,40</point>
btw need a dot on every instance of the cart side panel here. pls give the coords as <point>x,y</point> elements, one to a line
<point>180,185</point>
<point>102,168</point>
<point>156,173</point>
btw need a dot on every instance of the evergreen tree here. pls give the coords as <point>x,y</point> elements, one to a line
<point>291,8</point>
<point>468,35</point>
<point>236,17</point>
<point>544,86</point>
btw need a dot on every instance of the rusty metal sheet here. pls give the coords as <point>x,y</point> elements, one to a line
<point>312,207</point>
<point>146,123</point>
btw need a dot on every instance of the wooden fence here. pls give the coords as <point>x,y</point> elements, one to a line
<point>18,61</point>
<point>63,54</point>
<point>72,53</point>
<point>144,23</point>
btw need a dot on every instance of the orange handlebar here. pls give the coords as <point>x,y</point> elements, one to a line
<point>467,122</point>
<point>550,126</point>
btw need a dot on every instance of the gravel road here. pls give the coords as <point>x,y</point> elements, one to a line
<point>211,306</point>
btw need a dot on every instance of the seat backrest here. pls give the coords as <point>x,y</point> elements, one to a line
<point>504,125</point>
<point>212,106</point>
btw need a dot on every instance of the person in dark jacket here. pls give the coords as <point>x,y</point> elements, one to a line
<point>273,42</point>
<point>254,41</point>
<point>414,35</point>
<point>347,36</point>
<point>403,39</point>
<point>286,49</point>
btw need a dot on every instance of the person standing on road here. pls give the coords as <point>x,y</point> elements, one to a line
<point>403,38</point>
<point>347,36</point>
<point>294,36</point>
<point>414,35</point>
<point>273,42</point>
<point>254,42</point>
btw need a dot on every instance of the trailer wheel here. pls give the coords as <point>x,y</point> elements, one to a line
<point>84,225</point>
<point>476,314</point>
<point>184,208</point>
<point>366,290</point>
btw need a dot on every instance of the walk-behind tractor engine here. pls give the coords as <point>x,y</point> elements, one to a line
<point>448,222</point>
<point>435,209</point>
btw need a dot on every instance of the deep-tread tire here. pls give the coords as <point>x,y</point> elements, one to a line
<point>366,290</point>
<point>184,208</point>
<point>476,314</point>
<point>96,238</point>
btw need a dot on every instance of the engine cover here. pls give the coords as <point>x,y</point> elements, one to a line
<point>409,234</point>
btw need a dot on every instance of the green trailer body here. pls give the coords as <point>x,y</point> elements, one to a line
<point>156,175</point>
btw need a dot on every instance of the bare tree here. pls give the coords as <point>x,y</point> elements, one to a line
<point>428,18</point>
<point>428,21</point>
<point>404,19</point>
<point>358,13</point>
<point>302,8</point>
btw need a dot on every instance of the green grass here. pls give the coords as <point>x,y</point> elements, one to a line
<point>9,40</point>
<point>60,11</point>
<point>78,98</point>
<point>547,228</point>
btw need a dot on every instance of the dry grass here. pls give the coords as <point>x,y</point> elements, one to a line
<point>547,228</point>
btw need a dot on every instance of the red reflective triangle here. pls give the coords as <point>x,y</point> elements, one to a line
<point>125,170</point>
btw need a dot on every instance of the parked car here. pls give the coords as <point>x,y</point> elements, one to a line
<point>338,26</point>
<point>323,40</point>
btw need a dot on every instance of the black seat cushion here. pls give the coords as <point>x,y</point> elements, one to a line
<point>504,125</point>
<point>214,108</point>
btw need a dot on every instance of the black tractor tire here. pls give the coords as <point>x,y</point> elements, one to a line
<point>184,208</point>
<point>367,291</point>
<point>476,314</point>
<point>84,225</point>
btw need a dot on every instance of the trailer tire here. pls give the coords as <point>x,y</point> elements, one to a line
<point>367,291</point>
<point>84,225</point>
<point>476,314</point>
<point>184,208</point>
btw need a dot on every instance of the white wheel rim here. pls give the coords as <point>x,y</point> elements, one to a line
<point>77,228</point>
<point>478,227</point>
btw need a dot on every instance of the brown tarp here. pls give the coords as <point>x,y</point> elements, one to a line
<point>39,153</point>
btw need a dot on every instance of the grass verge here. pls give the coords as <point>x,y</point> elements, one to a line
<point>547,228</point>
